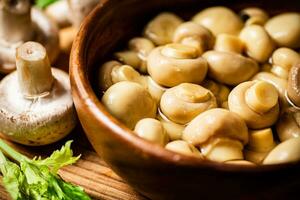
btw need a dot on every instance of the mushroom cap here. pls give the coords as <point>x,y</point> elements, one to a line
<point>220,91</point>
<point>154,88</point>
<point>142,46</point>
<point>151,130</point>
<point>171,71</point>
<point>104,74</point>
<point>183,147</point>
<point>185,101</point>
<point>192,31</point>
<point>230,68</point>
<point>173,129</point>
<point>215,123</point>
<point>113,72</point>
<point>287,151</point>
<point>46,33</point>
<point>288,125</point>
<point>283,59</point>
<point>254,15</point>
<point>39,121</point>
<point>129,57</point>
<point>285,29</point>
<point>219,19</point>
<point>259,45</point>
<point>160,29</point>
<point>129,102</point>
<point>237,104</point>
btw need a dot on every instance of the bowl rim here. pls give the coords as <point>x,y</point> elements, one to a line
<point>81,85</point>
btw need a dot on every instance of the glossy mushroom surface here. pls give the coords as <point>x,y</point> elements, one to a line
<point>151,130</point>
<point>138,161</point>
<point>216,19</point>
<point>219,133</point>
<point>191,33</point>
<point>161,29</point>
<point>256,102</point>
<point>181,64</point>
<point>288,124</point>
<point>287,151</point>
<point>230,68</point>
<point>184,102</point>
<point>254,15</point>
<point>285,29</point>
<point>258,44</point>
<point>283,59</point>
<point>127,97</point>
<point>183,147</point>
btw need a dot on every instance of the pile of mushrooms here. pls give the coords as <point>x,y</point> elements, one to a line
<point>222,87</point>
<point>68,15</point>
<point>19,23</point>
<point>36,106</point>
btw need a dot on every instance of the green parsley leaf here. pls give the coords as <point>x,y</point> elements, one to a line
<point>13,177</point>
<point>37,179</point>
<point>58,159</point>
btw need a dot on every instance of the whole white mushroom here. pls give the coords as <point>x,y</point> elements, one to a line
<point>129,102</point>
<point>36,106</point>
<point>20,23</point>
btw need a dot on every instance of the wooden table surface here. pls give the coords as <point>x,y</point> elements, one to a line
<point>90,172</point>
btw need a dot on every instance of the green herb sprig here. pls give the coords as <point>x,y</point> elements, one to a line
<point>44,3</point>
<point>37,179</point>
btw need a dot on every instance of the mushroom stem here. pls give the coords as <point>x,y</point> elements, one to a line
<point>261,97</point>
<point>15,21</point>
<point>261,140</point>
<point>34,70</point>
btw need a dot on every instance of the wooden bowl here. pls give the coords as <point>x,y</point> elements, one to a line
<point>153,171</point>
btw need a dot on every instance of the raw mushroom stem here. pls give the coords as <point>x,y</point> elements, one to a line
<point>34,70</point>
<point>261,97</point>
<point>15,21</point>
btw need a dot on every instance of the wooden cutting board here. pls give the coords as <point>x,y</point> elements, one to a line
<point>90,172</point>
